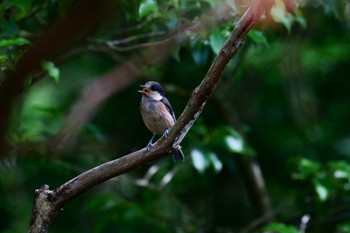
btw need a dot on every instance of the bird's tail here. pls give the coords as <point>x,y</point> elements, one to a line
<point>179,156</point>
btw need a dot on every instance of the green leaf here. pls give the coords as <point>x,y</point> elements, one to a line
<point>280,15</point>
<point>3,58</point>
<point>148,7</point>
<point>199,160</point>
<point>300,18</point>
<point>213,3</point>
<point>307,168</point>
<point>340,169</point>
<point>280,228</point>
<point>217,164</point>
<point>131,8</point>
<point>24,7</point>
<point>203,158</point>
<point>217,40</point>
<point>234,141</point>
<point>321,190</point>
<point>14,41</point>
<point>344,227</point>
<point>258,37</point>
<point>9,29</point>
<point>234,144</point>
<point>200,53</point>
<point>52,70</point>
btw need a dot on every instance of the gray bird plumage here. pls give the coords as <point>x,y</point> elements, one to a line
<point>157,113</point>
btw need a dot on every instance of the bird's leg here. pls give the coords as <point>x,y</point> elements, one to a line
<point>149,145</point>
<point>166,133</point>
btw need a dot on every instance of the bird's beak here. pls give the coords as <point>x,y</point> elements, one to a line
<point>144,90</point>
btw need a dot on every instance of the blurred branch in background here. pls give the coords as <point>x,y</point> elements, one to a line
<point>303,102</point>
<point>249,167</point>
<point>90,100</point>
<point>60,37</point>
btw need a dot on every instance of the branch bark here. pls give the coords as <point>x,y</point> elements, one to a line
<point>47,203</point>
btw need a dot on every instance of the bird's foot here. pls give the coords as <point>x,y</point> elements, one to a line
<point>149,146</point>
<point>166,133</point>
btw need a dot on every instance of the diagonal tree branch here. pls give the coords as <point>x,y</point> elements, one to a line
<point>48,203</point>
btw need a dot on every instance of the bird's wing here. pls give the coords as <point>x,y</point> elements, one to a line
<point>167,104</point>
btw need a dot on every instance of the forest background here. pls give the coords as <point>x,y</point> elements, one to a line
<point>269,153</point>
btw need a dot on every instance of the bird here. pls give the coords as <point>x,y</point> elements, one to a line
<point>157,113</point>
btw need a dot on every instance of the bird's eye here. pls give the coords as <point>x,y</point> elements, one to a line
<point>153,88</point>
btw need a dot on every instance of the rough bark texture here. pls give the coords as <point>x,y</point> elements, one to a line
<point>48,203</point>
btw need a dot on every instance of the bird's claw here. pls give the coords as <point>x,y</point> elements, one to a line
<point>166,133</point>
<point>149,146</point>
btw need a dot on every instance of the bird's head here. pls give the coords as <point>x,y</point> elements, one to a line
<point>152,90</point>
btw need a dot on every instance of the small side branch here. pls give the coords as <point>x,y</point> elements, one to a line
<point>43,210</point>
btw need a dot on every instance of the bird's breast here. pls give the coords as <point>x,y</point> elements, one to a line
<point>156,116</point>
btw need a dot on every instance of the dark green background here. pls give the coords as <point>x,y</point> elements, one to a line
<point>285,96</point>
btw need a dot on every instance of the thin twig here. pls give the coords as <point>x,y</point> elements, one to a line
<point>132,28</point>
<point>127,39</point>
<point>304,222</point>
<point>186,30</point>
<point>138,46</point>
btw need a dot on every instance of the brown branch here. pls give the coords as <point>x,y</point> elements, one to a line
<point>48,203</point>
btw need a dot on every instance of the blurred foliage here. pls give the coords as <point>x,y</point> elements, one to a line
<point>288,108</point>
<point>278,227</point>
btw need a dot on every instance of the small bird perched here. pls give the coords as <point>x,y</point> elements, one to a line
<point>157,113</point>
